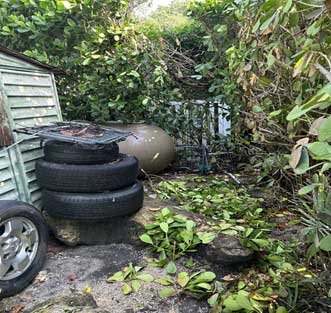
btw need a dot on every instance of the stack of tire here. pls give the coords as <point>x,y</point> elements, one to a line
<point>84,183</point>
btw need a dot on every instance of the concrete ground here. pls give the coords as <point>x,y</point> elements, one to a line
<point>70,270</point>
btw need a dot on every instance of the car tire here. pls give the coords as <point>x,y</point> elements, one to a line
<point>94,207</point>
<point>23,241</point>
<point>87,178</point>
<point>70,153</point>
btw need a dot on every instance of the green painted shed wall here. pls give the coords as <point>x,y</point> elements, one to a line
<point>30,98</point>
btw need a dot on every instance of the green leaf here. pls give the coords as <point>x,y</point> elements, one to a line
<point>167,292</point>
<point>322,96</point>
<point>241,284</point>
<point>126,289</point>
<point>187,236</point>
<point>306,189</point>
<point>263,243</point>
<point>182,279</point>
<point>136,285</point>
<point>165,212</point>
<point>275,113</point>
<point>164,227</point>
<point>165,282</point>
<point>303,164</point>
<point>324,131</point>
<point>325,167</point>
<point>22,30</point>
<point>301,64</point>
<point>205,286</point>
<point>145,277</point>
<point>204,277</point>
<point>287,6</point>
<point>242,298</point>
<point>281,309</point>
<point>66,4</point>
<point>206,237</point>
<point>171,268</point>
<point>325,243</point>
<point>257,109</point>
<point>190,225</point>
<point>320,150</point>
<point>213,299</point>
<point>267,22</point>
<point>118,276</point>
<point>146,238</point>
<point>313,29</point>
<point>86,61</point>
<point>232,304</point>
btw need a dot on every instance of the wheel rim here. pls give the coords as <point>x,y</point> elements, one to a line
<point>19,241</point>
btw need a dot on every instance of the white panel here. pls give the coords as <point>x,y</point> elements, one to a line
<point>26,113</point>
<point>31,91</point>
<point>34,79</point>
<point>31,102</point>
<point>8,188</point>
<point>42,120</point>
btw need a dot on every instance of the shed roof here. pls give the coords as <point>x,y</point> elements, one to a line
<point>30,60</point>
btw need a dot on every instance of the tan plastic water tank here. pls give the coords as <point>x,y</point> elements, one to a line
<point>153,147</point>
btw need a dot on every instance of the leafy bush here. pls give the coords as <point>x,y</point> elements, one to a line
<point>112,71</point>
<point>172,236</point>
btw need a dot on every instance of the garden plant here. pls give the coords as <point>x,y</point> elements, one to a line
<point>270,62</point>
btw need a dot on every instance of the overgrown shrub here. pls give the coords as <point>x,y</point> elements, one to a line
<point>112,70</point>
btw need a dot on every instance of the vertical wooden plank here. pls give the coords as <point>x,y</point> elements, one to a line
<point>5,137</point>
<point>58,107</point>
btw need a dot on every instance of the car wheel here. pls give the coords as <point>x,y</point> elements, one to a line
<point>23,246</point>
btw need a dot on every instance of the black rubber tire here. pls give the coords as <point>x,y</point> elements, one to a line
<point>94,207</point>
<point>9,209</point>
<point>87,178</point>
<point>69,153</point>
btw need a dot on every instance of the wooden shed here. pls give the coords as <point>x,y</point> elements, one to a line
<point>28,97</point>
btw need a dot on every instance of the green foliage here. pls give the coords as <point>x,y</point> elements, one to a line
<point>112,70</point>
<point>318,218</point>
<point>131,278</point>
<point>272,68</point>
<point>217,198</point>
<point>274,279</point>
<point>198,285</point>
<point>169,22</point>
<point>173,235</point>
<point>117,67</point>
<point>277,82</point>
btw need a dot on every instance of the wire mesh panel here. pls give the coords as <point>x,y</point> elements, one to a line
<point>203,121</point>
<point>193,158</point>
